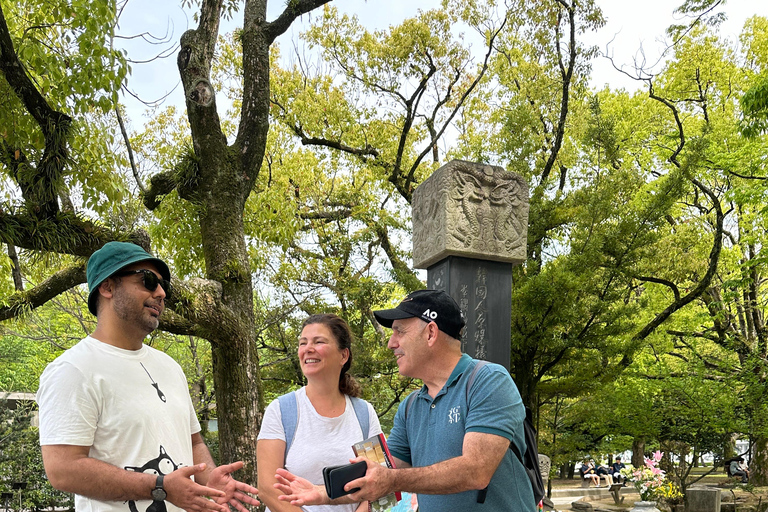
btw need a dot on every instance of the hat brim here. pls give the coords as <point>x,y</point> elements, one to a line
<point>385,317</point>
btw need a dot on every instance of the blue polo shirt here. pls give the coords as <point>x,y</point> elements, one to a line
<point>434,431</point>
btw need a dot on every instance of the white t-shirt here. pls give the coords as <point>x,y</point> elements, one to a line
<point>318,441</point>
<point>132,407</point>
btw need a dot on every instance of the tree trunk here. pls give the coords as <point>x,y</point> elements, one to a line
<point>236,375</point>
<point>638,452</point>
<point>759,469</point>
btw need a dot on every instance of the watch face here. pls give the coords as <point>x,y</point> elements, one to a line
<point>159,494</point>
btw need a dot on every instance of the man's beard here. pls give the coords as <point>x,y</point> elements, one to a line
<point>128,309</point>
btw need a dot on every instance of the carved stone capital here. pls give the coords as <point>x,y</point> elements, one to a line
<point>471,210</point>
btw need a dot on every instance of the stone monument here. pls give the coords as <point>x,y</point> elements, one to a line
<point>703,499</point>
<point>470,226</point>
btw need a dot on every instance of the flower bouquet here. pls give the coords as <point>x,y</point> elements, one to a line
<point>670,494</point>
<point>648,479</point>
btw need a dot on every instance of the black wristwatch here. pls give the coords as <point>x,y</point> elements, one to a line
<point>158,493</point>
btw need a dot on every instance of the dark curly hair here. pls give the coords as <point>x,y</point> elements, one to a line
<point>343,336</point>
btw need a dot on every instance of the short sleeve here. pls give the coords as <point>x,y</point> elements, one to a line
<point>272,423</point>
<point>495,407</point>
<point>194,423</point>
<point>69,406</point>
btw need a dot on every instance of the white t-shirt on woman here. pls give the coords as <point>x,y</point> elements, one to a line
<point>318,441</point>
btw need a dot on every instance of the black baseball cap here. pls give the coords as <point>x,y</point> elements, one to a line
<point>429,305</point>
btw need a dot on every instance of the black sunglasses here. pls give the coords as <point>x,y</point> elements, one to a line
<point>149,279</point>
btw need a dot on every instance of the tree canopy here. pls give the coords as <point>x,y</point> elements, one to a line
<point>284,188</point>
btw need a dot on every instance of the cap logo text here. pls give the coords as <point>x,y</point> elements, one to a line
<point>429,314</point>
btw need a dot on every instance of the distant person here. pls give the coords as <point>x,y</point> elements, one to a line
<point>450,443</point>
<point>738,467</point>
<point>326,410</point>
<point>117,425</point>
<point>588,472</point>
<point>604,472</point>
<point>616,468</point>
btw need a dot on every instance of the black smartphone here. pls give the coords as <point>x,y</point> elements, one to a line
<point>336,477</point>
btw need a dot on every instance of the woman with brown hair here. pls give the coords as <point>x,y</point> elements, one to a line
<point>316,425</point>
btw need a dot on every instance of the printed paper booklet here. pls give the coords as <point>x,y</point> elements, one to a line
<point>375,448</point>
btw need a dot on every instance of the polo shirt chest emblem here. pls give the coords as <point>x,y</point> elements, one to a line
<point>454,414</point>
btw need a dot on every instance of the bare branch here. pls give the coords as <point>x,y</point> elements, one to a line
<point>669,284</point>
<point>127,141</point>
<point>567,77</point>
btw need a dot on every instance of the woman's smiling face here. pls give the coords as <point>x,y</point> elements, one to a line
<point>319,351</point>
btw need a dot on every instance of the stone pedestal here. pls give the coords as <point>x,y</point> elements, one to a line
<point>483,290</point>
<point>703,499</point>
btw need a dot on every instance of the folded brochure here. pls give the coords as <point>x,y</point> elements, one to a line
<point>375,448</point>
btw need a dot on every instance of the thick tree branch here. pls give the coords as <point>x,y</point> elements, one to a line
<point>669,284</point>
<point>208,27</point>
<point>174,323</point>
<point>23,302</point>
<point>682,375</point>
<point>65,233</point>
<point>18,282</point>
<point>293,10</point>
<point>704,283</point>
<point>692,334</point>
<point>436,136</point>
<point>159,185</point>
<point>40,188</point>
<point>678,123</point>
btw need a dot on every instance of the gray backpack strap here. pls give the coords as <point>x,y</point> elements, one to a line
<point>410,399</point>
<point>361,411</point>
<point>289,414</point>
<point>479,364</point>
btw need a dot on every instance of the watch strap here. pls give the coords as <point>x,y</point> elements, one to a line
<point>158,493</point>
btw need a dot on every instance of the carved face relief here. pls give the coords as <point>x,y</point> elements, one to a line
<point>471,210</point>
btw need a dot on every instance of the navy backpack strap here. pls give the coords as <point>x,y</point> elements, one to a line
<point>289,414</point>
<point>361,411</point>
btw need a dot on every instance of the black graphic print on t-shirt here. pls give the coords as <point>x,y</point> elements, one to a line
<point>161,465</point>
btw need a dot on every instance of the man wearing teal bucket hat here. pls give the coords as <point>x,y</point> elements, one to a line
<point>117,425</point>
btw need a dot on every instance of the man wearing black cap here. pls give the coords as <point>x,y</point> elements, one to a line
<point>450,440</point>
<point>117,425</point>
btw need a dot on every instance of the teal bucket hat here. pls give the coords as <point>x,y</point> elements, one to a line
<point>112,257</point>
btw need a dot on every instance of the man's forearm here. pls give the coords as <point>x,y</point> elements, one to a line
<point>201,454</point>
<point>447,477</point>
<point>102,481</point>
